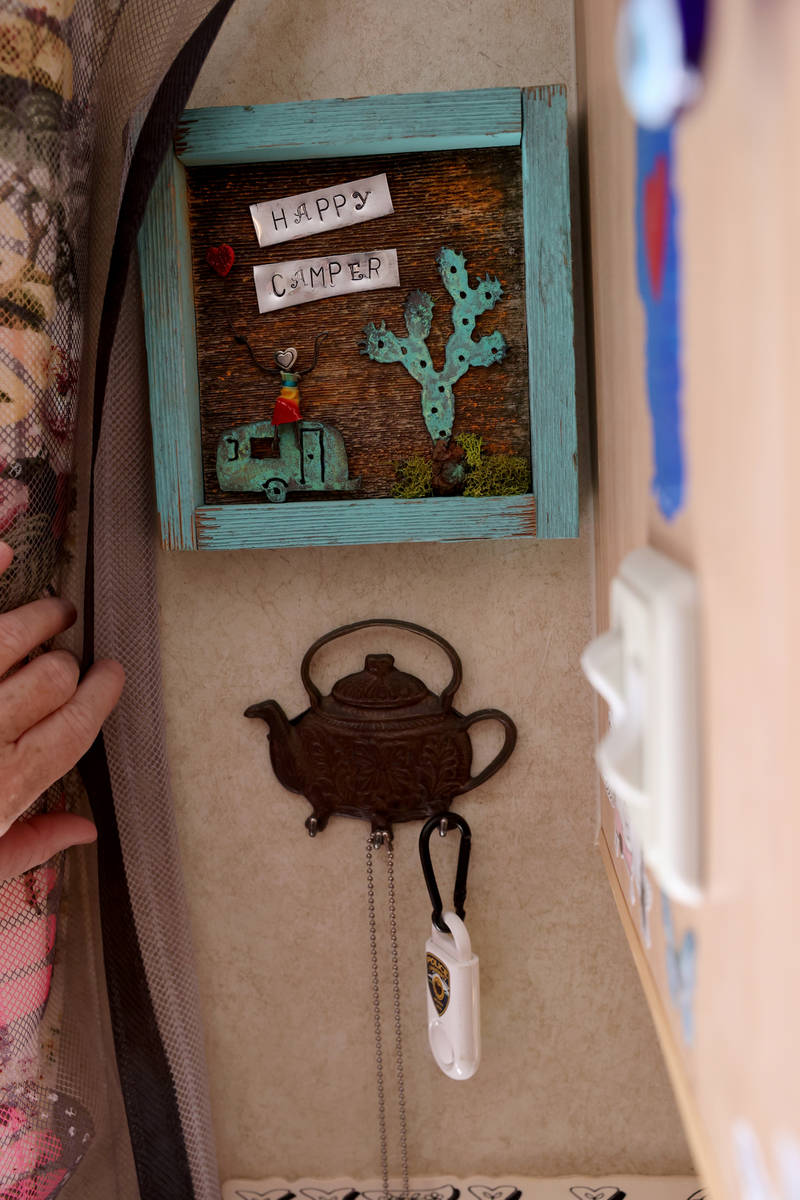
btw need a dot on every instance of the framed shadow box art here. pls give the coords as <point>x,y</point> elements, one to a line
<point>359,322</point>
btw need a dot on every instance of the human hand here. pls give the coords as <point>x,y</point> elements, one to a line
<point>48,720</point>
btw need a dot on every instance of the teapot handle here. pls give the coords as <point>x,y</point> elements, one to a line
<point>314,694</point>
<point>490,714</point>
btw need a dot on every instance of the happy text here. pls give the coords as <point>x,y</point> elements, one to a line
<point>316,212</point>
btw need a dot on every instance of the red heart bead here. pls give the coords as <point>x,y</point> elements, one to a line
<point>220,258</point>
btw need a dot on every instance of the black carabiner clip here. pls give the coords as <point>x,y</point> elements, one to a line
<point>454,821</point>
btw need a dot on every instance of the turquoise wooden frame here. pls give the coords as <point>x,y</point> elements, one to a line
<point>535,119</point>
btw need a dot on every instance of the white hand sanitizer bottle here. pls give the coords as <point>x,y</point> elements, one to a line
<point>454,1029</point>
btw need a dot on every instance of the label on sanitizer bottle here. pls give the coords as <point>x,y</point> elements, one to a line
<point>454,1032</point>
<point>438,983</point>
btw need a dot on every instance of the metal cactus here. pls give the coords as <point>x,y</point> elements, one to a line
<point>461,352</point>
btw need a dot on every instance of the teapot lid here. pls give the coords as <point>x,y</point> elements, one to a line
<point>380,685</point>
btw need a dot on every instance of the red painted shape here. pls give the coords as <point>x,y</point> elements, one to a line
<point>656,215</point>
<point>220,258</point>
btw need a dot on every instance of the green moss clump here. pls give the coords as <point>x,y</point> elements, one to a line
<point>414,478</point>
<point>472,445</point>
<point>498,475</point>
<point>486,475</point>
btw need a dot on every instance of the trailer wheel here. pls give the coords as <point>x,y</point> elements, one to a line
<point>275,491</point>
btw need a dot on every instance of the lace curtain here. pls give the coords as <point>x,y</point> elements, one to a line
<point>77,78</point>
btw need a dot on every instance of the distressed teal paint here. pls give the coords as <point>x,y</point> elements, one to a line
<point>535,118</point>
<point>548,299</point>
<point>311,458</point>
<point>461,352</point>
<point>335,128</point>
<point>166,273</point>
<point>361,522</point>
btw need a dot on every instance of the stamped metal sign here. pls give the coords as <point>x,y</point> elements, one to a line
<point>317,212</point>
<point>280,285</point>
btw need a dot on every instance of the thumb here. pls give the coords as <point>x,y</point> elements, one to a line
<point>31,842</point>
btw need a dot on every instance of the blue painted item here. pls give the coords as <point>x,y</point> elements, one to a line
<point>534,119</point>
<point>694,22</point>
<point>658,272</point>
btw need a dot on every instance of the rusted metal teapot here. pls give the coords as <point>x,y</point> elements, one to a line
<point>381,746</point>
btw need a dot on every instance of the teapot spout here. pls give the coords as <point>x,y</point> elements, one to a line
<point>271,712</point>
<point>284,744</point>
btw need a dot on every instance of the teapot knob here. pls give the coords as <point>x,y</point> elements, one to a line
<point>446,697</point>
<point>379,664</point>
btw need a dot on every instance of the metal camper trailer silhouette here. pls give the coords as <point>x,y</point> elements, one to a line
<point>302,456</point>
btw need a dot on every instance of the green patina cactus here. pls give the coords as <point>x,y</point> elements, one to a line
<point>461,352</point>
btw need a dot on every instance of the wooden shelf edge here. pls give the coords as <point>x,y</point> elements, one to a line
<point>696,1133</point>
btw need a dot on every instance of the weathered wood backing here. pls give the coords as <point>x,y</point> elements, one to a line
<point>470,200</point>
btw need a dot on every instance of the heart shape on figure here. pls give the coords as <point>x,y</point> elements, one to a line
<point>220,258</point>
<point>286,358</point>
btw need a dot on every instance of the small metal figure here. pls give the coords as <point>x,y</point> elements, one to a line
<point>287,405</point>
<point>287,453</point>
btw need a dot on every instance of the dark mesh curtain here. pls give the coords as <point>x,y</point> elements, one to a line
<point>102,1075</point>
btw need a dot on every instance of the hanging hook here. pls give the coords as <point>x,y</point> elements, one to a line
<point>453,821</point>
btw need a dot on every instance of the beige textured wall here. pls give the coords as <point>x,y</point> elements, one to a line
<point>572,1078</point>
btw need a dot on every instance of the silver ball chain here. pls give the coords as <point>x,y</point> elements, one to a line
<point>374,842</point>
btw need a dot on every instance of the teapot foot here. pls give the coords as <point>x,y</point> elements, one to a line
<point>316,822</point>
